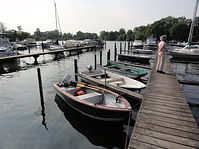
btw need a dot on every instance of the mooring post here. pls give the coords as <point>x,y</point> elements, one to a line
<point>120,48</point>
<point>40,85</point>
<point>95,61</point>
<point>100,58</point>
<point>76,69</point>
<point>115,53</point>
<point>128,46</point>
<point>125,48</point>
<point>35,57</point>
<point>108,55</point>
<point>28,49</point>
<point>42,46</point>
<point>41,98</point>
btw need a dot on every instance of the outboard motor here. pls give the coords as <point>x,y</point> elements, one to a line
<point>90,68</point>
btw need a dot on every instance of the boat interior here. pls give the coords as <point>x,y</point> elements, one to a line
<point>98,98</point>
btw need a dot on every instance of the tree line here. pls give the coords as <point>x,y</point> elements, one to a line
<point>174,28</point>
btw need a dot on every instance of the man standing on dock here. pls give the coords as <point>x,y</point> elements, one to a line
<point>161,54</point>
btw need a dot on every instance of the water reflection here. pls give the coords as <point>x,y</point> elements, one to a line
<point>106,134</point>
<point>10,66</point>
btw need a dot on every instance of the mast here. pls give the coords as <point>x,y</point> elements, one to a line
<point>193,23</point>
<point>58,26</point>
<point>55,14</point>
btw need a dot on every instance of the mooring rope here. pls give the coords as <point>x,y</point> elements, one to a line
<point>127,130</point>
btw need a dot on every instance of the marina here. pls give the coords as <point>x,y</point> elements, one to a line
<point>55,108</point>
<point>99,75</point>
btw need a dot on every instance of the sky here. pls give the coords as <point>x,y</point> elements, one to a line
<point>90,16</point>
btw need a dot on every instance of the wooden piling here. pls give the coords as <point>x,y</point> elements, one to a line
<point>125,48</point>
<point>95,61</point>
<point>29,49</point>
<point>128,47</point>
<point>115,53</point>
<point>40,85</point>
<point>120,48</point>
<point>101,58</point>
<point>108,55</point>
<point>76,69</point>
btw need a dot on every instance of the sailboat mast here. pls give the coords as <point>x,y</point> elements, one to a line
<point>56,14</point>
<point>193,23</point>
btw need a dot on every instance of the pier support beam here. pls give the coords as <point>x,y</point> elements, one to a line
<point>35,57</point>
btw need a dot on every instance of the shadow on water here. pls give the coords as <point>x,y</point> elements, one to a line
<point>10,66</point>
<point>106,134</point>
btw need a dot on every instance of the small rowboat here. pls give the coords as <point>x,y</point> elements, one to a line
<point>115,79</point>
<point>93,101</point>
<point>130,71</point>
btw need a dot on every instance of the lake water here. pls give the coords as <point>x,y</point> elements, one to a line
<point>24,124</point>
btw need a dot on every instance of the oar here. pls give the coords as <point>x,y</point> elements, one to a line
<point>92,88</point>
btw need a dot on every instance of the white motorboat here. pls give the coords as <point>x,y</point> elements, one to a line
<point>72,43</point>
<point>56,47</point>
<point>48,42</point>
<point>115,79</point>
<point>6,48</point>
<point>29,42</point>
<point>138,44</point>
<point>143,51</point>
<point>188,52</point>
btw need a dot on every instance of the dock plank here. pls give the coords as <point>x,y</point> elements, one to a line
<point>164,119</point>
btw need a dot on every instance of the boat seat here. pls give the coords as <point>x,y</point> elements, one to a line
<point>93,97</point>
<point>115,80</point>
<point>120,67</point>
<point>72,90</point>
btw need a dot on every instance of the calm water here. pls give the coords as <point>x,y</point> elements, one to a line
<point>189,72</point>
<point>23,123</point>
<point>20,113</point>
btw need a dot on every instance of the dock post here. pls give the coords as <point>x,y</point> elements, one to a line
<point>128,47</point>
<point>125,48</point>
<point>35,57</point>
<point>95,61</point>
<point>108,55</point>
<point>28,49</point>
<point>76,69</point>
<point>42,98</point>
<point>42,46</point>
<point>115,53</point>
<point>100,58</point>
<point>40,85</point>
<point>120,48</point>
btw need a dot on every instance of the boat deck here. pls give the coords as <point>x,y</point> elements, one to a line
<point>164,119</point>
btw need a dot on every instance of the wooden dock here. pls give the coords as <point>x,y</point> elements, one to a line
<point>36,55</point>
<point>164,119</point>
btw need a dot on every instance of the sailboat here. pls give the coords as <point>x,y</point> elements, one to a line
<point>56,46</point>
<point>190,52</point>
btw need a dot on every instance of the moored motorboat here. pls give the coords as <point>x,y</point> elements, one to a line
<point>143,51</point>
<point>135,58</point>
<point>130,71</point>
<point>115,79</point>
<point>93,101</point>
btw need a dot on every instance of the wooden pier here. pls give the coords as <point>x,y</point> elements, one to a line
<point>164,119</point>
<point>36,55</point>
